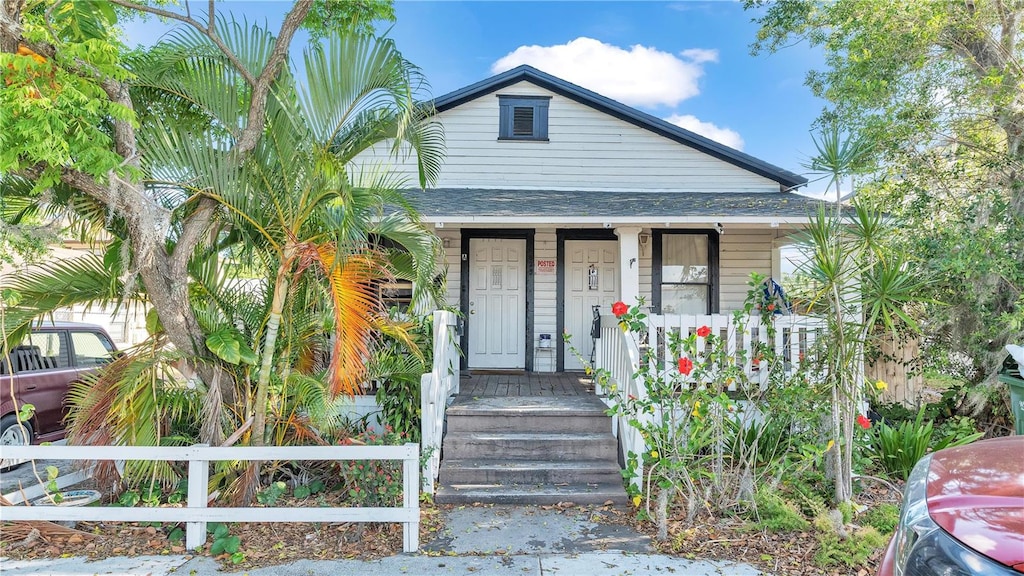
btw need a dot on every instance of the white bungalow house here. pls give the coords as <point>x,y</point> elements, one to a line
<point>553,200</point>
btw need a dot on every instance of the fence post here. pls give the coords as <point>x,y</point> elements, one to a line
<point>411,497</point>
<point>427,429</point>
<point>198,486</point>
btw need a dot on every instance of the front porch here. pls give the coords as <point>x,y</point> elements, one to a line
<point>476,384</point>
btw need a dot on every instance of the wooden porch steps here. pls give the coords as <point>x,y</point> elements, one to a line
<point>529,450</point>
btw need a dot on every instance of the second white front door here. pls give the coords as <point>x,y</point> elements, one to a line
<point>590,280</point>
<point>497,303</point>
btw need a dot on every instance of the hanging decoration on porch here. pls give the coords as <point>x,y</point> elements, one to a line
<point>774,297</point>
<point>592,277</point>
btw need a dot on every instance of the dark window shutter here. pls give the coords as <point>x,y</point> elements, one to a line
<point>523,117</point>
<point>540,120</point>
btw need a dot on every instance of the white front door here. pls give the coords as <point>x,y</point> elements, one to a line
<point>497,303</point>
<point>590,280</point>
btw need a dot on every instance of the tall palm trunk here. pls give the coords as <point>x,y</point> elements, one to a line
<point>259,424</point>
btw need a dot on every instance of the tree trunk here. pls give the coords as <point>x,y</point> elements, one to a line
<point>10,25</point>
<point>259,425</point>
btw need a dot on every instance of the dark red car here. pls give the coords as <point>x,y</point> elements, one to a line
<point>963,513</point>
<point>39,370</point>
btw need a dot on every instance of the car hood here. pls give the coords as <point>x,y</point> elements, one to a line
<point>976,493</point>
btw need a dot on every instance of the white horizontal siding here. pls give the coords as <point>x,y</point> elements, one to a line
<point>587,150</point>
<point>452,262</point>
<point>741,252</point>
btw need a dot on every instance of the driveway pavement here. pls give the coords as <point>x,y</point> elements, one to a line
<point>483,541</point>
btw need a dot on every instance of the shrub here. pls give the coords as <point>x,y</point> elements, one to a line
<point>883,518</point>
<point>898,448</point>
<point>852,551</point>
<point>776,514</point>
<point>373,482</point>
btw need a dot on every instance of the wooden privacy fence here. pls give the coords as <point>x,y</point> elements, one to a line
<point>196,513</point>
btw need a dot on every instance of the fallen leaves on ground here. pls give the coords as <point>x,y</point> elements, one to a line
<point>262,544</point>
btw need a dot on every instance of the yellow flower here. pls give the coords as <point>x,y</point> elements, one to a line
<point>654,453</point>
<point>880,385</point>
<point>831,443</point>
<point>636,501</point>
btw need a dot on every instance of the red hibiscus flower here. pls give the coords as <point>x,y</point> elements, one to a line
<point>685,366</point>
<point>863,421</point>
<point>619,309</point>
<point>771,307</point>
<point>703,331</point>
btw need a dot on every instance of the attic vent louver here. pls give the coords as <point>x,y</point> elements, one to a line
<point>522,121</point>
<point>523,117</point>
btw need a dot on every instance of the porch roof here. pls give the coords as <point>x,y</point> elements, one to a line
<point>587,206</point>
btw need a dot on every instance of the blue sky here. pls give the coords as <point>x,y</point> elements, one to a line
<point>687,62</point>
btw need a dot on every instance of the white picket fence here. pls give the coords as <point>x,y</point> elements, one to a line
<point>619,353</point>
<point>196,513</point>
<point>435,388</point>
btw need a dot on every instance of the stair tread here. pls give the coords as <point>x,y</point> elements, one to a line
<point>528,406</point>
<point>482,435</point>
<point>484,463</point>
<point>532,493</point>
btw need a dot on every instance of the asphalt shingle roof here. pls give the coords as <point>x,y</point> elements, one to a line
<point>473,202</point>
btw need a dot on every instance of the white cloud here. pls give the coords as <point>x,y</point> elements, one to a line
<point>700,55</point>
<point>725,136</point>
<point>639,76</point>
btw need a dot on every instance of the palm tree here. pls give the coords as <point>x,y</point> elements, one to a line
<point>300,230</point>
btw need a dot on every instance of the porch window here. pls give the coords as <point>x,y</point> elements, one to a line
<point>685,273</point>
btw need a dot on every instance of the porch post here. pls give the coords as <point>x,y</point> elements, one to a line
<point>629,263</point>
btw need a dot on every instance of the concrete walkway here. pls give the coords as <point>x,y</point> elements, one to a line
<point>484,541</point>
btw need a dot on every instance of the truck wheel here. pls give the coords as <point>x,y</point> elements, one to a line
<point>14,434</point>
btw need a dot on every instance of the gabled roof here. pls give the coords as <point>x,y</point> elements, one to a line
<point>787,179</point>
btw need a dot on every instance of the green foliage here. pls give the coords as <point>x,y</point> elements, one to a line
<point>307,490</point>
<point>269,495</point>
<point>397,366</point>
<point>892,73</point>
<point>773,513</point>
<point>152,494</point>
<point>372,482</point>
<point>898,448</point>
<point>854,551</point>
<point>53,492</point>
<point>883,517</point>
<point>230,346</point>
<point>224,542</point>
<point>717,423</point>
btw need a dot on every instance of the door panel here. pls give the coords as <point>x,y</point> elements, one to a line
<point>497,303</point>
<point>580,298</point>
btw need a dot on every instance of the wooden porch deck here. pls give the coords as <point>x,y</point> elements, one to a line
<point>478,384</point>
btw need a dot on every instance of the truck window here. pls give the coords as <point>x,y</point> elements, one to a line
<point>91,349</point>
<point>38,352</point>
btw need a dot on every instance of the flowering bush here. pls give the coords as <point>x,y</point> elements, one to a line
<point>373,482</point>
<point>711,432</point>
